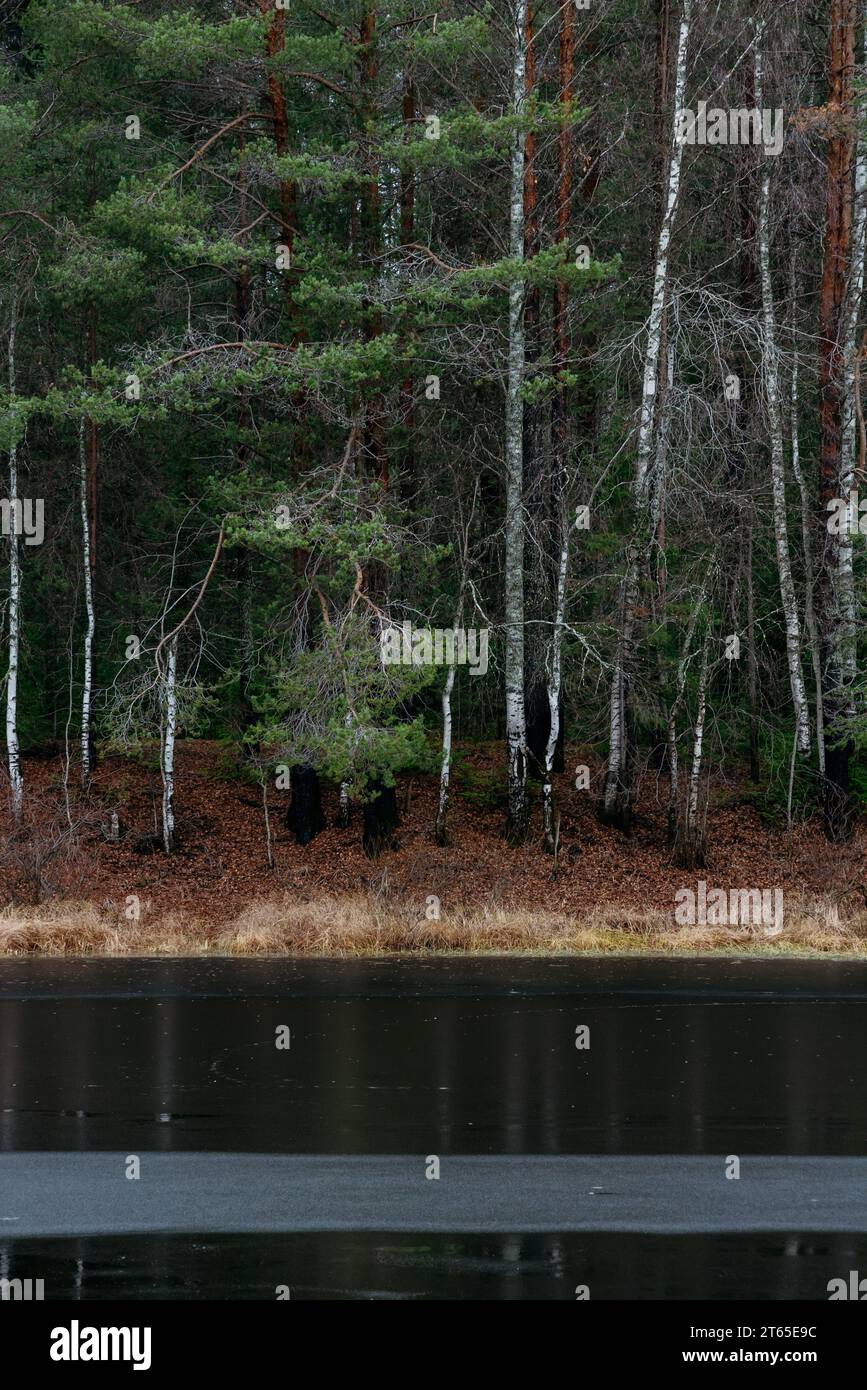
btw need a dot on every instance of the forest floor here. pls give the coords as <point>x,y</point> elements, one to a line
<point>75,891</point>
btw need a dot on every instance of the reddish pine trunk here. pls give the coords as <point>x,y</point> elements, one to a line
<point>536,692</point>
<point>243,560</point>
<point>407,235</point>
<point>275,43</point>
<point>375,445</point>
<point>838,247</point>
<point>660,104</point>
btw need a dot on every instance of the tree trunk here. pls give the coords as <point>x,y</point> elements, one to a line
<point>660,109</point>
<point>752,662</point>
<point>660,283</point>
<point>660,470</point>
<point>810,627</point>
<point>555,668</point>
<point>375,439</point>
<point>87,679</point>
<point>304,817</point>
<point>407,235</point>
<point>446,702</point>
<point>516,731</point>
<point>775,425</point>
<point>847,599</point>
<point>535,472</point>
<point>445,765</point>
<point>168,746</point>
<point>16,780</point>
<point>680,686</point>
<point>836,637</point>
<point>564,198</point>
<point>89,465</point>
<point>616,805</point>
<point>275,43</point>
<point>244,424</point>
<point>665,379</point>
<point>561,431</point>
<point>380,819</point>
<point>854,296</point>
<point>691,853</point>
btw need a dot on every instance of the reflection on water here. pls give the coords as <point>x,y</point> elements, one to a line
<point>442,1056</point>
<point>435,1056</point>
<point>343,1265</point>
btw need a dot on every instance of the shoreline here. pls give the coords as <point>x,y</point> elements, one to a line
<point>353,926</point>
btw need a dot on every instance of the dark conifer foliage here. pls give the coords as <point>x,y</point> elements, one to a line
<point>379,379</point>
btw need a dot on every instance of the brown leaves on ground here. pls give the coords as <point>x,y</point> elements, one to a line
<point>216,892</point>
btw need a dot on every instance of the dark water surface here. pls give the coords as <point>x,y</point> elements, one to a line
<point>435,1056</point>
<point>353,1265</point>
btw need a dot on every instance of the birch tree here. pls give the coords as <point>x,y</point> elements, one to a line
<point>617,790</point>
<point>426,176</point>
<point>168,733</point>
<point>448,687</point>
<point>810,625</point>
<point>16,780</point>
<point>692,849</point>
<point>516,725</point>
<point>845,575</point>
<point>560,424</point>
<point>446,754</point>
<point>775,424</point>
<point>87,571</point>
<point>854,294</point>
<point>555,678</point>
<point>168,693</point>
<point>673,714</point>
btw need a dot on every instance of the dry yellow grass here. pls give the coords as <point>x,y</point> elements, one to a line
<point>368,926</point>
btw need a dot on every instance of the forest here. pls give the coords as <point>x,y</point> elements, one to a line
<point>432,439</point>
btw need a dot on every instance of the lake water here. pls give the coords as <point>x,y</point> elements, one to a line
<point>436,1057</point>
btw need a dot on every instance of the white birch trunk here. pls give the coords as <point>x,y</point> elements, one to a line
<point>343,805</point>
<point>268,846</point>
<point>854,294</point>
<point>809,574</point>
<point>692,835</point>
<point>16,781</point>
<point>660,278</point>
<point>660,462</point>
<point>673,768</point>
<point>775,425</point>
<point>555,677</point>
<point>446,761</point>
<point>616,778</point>
<point>87,684</point>
<point>680,686</point>
<point>168,746</point>
<point>844,579</point>
<point>516,726</point>
<point>445,765</point>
